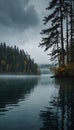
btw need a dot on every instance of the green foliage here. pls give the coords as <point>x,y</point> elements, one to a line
<point>13,60</point>
<point>59,34</point>
<point>66,71</point>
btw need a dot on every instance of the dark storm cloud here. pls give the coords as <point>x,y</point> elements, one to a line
<point>18,13</point>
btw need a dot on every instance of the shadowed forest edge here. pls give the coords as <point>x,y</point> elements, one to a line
<point>13,60</point>
<point>58,37</point>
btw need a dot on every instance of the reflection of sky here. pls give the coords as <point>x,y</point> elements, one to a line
<point>14,89</point>
<point>59,114</point>
<point>26,114</point>
<point>46,103</point>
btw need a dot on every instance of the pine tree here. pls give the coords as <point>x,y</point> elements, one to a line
<point>72,29</point>
<point>56,28</point>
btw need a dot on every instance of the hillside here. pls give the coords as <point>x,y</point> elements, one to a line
<point>13,60</point>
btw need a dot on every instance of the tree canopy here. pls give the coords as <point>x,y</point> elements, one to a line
<point>13,60</point>
<point>59,35</point>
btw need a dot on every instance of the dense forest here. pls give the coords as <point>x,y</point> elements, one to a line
<point>13,60</point>
<point>59,35</point>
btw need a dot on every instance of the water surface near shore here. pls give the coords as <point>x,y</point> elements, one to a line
<point>36,103</point>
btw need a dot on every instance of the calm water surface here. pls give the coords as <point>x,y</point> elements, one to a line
<point>36,103</point>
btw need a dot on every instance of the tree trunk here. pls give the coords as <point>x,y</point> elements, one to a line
<point>62,43</point>
<point>72,31</point>
<point>67,37</point>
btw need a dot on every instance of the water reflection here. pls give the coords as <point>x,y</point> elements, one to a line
<point>60,113</point>
<point>13,90</point>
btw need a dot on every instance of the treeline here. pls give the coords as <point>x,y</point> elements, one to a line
<point>59,35</point>
<point>13,60</point>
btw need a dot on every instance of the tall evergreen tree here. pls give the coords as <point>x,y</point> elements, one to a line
<point>72,29</point>
<point>56,19</point>
<point>13,60</point>
<point>61,10</point>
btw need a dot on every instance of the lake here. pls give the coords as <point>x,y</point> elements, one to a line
<point>36,103</point>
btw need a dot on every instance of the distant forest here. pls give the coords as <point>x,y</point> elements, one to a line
<point>13,60</point>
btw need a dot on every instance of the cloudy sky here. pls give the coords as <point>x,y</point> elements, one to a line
<point>21,24</point>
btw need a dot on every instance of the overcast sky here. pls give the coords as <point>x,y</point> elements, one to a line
<point>21,24</point>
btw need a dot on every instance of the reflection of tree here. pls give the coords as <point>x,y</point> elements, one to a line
<point>50,117</point>
<point>14,90</point>
<point>60,113</point>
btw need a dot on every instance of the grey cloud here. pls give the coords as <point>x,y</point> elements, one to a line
<point>18,13</point>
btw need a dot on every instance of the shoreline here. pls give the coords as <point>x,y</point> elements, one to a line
<point>17,74</point>
<point>60,77</point>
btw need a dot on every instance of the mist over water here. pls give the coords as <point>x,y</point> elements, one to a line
<point>36,103</point>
